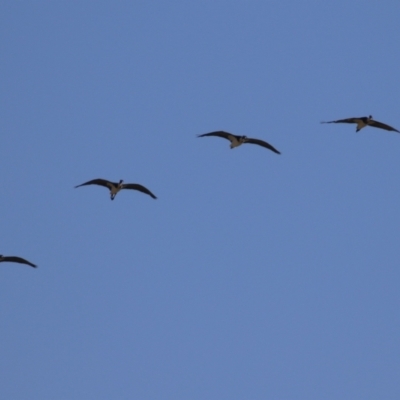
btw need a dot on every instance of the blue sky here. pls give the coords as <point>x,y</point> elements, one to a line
<point>253,275</point>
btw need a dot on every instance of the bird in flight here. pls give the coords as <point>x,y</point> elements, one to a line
<point>116,187</point>
<point>16,260</point>
<point>238,140</point>
<point>362,122</point>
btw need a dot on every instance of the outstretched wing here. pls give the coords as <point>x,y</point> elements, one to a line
<point>18,260</point>
<point>263,144</point>
<point>101,182</point>
<point>136,186</point>
<point>225,135</point>
<point>377,124</point>
<point>346,120</point>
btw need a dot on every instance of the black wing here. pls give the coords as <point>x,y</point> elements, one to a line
<point>18,260</point>
<point>225,135</point>
<point>377,124</point>
<point>346,120</point>
<point>136,186</point>
<point>263,144</point>
<point>101,182</point>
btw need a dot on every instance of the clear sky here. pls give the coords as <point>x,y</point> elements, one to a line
<point>253,275</point>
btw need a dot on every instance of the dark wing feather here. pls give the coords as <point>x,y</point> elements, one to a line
<point>346,120</point>
<point>225,135</point>
<point>263,144</point>
<point>136,186</point>
<point>101,182</point>
<point>18,260</point>
<point>377,124</point>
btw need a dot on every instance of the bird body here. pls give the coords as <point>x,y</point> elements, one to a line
<point>236,140</point>
<point>115,187</point>
<point>16,260</point>
<point>362,122</point>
